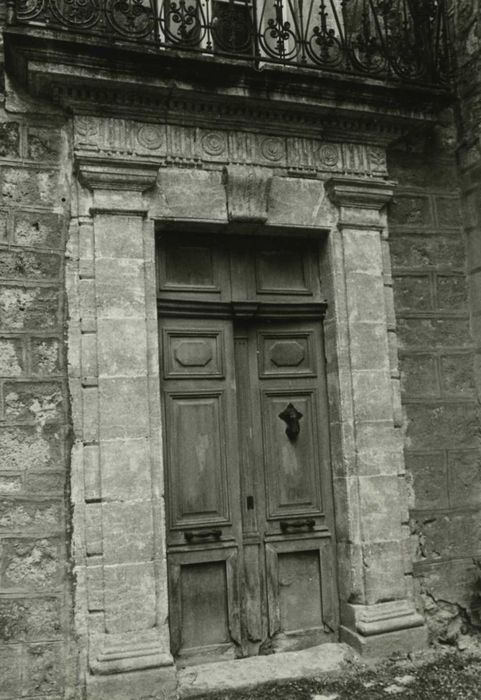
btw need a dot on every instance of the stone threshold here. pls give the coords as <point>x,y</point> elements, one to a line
<point>242,674</point>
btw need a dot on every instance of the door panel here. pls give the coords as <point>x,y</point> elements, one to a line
<point>291,465</point>
<point>204,604</point>
<point>202,486</point>
<point>301,606</point>
<point>197,458</point>
<point>250,526</point>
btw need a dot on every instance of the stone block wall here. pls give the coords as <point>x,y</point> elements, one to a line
<point>34,416</point>
<point>436,353</point>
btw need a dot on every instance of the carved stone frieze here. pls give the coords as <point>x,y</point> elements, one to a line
<point>187,145</point>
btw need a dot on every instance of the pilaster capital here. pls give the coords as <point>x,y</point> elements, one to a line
<point>125,176</point>
<point>118,187</point>
<point>365,194</point>
<point>361,202</point>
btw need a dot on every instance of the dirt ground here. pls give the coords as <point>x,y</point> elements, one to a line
<point>438,674</point>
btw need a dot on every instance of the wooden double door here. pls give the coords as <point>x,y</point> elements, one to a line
<point>248,492</point>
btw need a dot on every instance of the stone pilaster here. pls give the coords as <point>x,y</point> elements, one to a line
<point>368,465</point>
<point>118,437</point>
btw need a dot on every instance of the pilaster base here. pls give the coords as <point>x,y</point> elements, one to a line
<point>160,684</point>
<point>120,653</point>
<point>399,641</point>
<point>384,628</point>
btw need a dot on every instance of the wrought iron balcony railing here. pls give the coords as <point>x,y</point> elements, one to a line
<point>407,40</point>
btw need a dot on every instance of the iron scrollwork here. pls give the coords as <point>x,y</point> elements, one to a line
<point>407,40</point>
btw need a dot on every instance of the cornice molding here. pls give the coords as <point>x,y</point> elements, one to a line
<point>363,194</point>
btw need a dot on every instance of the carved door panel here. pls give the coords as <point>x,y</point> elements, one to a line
<point>290,582</point>
<point>201,449</point>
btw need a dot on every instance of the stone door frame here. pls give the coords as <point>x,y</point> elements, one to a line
<point>118,540</point>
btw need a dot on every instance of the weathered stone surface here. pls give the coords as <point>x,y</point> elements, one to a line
<point>427,474</point>
<point>45,356</point>
<point>125,469</point>
<point>27,265</point>
<point>433,333</point>
<point>451,292</point>
<point>9,140</point>
<point>43,144</point>
<point>383,571</point>
<point>10,671</point>
<point>457,374</point>
<point>11,357</point>
<point>464,478</point>
<point>45,482</point>
<point>125,583</point>
<point>442,425</point>
<point>421,252</point>
<point>37,229</point>
<point>410,210</point>
<point>28,448</point>
<point>30,564</point>
<point>10,483</point>
<point>27,186</point>
<point>26,401</point>
<point>127,530</point>
<point>22,515</point>
<point>120,288</point>
<point>247,673</point>
<point>29,619</point>
<point>28,308</point>
<point>448,211</point>
<point>418,375</point>
<point>413,292</point>
<point>44,669</point>
<point>379,504</point>
<point>447,535</point>
<point>123,408</point>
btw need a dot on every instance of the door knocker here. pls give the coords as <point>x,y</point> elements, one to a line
<point>291,416</point>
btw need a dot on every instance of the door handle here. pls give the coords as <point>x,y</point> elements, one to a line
<point>296,524</point>
<point>202,534</point>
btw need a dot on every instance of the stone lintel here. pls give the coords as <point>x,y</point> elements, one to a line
<point>352,194</point>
